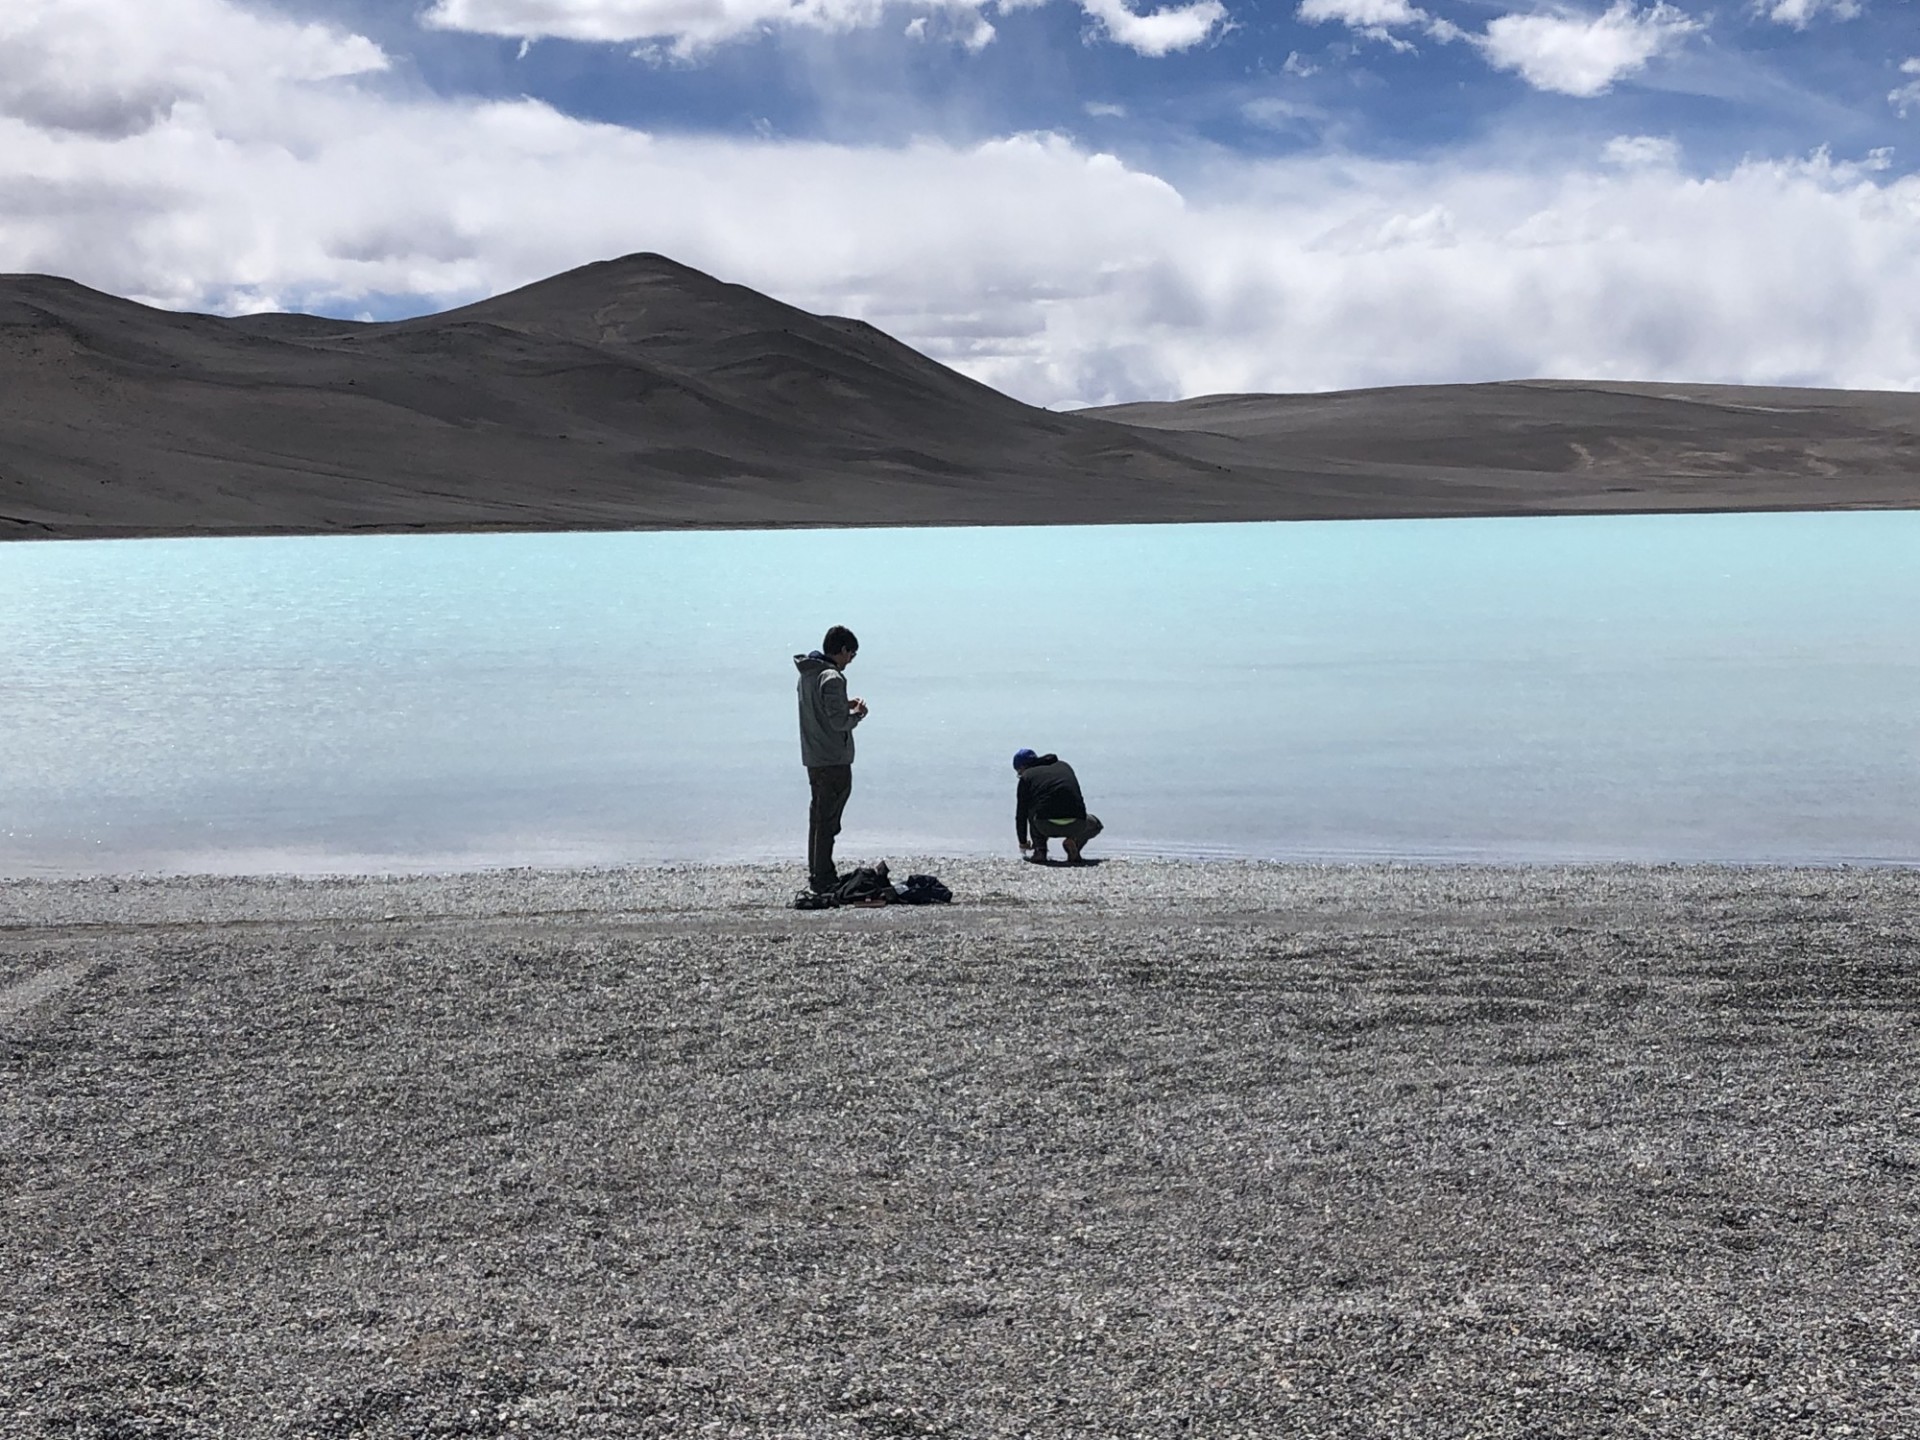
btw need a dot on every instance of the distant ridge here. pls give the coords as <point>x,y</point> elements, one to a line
<point>641,393</point>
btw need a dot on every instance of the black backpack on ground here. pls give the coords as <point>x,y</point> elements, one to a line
<point>869,886</point>
<point>923,890</point>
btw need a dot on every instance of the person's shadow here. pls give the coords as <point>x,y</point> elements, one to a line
<point>1086,864</point>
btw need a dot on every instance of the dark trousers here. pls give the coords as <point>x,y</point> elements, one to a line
<point>832,784</point>
<point>1079,831</point>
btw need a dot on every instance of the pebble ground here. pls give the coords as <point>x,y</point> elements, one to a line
<point>1137,1150</point>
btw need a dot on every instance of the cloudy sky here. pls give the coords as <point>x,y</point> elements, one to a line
<point>1075,200</point>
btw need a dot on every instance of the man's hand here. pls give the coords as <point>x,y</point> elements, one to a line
<point>857,708</point>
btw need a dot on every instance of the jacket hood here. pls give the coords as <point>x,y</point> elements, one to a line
<point>811,663</point>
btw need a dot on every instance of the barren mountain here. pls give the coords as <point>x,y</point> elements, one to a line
<point>639,393</point>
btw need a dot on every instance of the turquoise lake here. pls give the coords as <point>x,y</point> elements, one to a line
<point>1741,688</point>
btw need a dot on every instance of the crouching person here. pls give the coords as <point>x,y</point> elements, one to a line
<point>1048,806</point>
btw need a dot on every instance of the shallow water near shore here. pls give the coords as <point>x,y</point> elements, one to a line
<point>1736,687</point>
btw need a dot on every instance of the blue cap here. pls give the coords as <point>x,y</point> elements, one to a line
<point>1023,758</point>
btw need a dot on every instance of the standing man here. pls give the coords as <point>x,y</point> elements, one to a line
<point>1048,805</point>
<point>827,718</point>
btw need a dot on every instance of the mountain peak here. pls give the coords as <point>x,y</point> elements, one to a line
<point>645,262</point>
<point>644,300</point>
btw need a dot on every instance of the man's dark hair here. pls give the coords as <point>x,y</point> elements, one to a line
<point>839,638</point>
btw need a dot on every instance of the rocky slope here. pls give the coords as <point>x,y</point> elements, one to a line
<point>639,393</point>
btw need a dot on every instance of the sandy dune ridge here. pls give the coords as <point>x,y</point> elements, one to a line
<point>639,393</point>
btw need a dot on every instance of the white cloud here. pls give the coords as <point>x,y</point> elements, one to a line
<point>110,68</point>
<point>1296,64</point>
<point>1376,20</point>
<point>1361,14</point>
<point>1159,32</point>
<point>1304,123</point>
<point>971,28</point>
<point>1056,272</point>
<point>1583,55</point>
<point>1634,151</point>
<point>1907,97</point>
<point>1567,51</point>
<point>1800,13</point>
<point>689,26</point>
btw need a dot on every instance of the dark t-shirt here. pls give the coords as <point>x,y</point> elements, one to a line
<point>1048,790</point>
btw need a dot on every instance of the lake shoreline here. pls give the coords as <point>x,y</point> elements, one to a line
<point>1814,500</point>
<point>1137,1149</point>
<point>1122,888</point>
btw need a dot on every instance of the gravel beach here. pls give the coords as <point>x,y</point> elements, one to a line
<point>1143,1149</point>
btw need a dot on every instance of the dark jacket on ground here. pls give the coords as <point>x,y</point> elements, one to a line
<point>1048,791</point>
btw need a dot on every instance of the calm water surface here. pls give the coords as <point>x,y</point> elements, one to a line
<point>1672,688</point>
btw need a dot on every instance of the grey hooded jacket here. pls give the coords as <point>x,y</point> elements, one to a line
<point>826,724</point>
